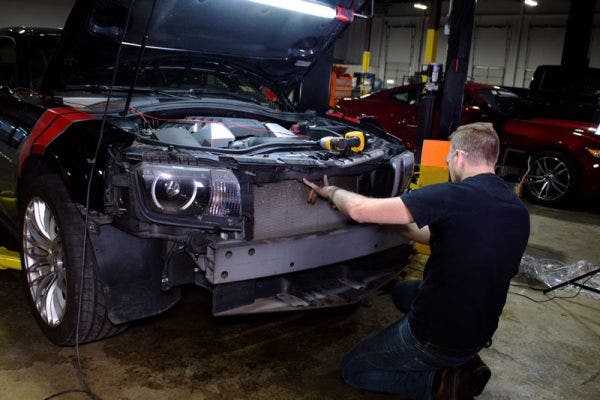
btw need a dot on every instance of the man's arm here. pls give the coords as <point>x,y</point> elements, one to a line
<point>361,208</point>
<point>412,232</point>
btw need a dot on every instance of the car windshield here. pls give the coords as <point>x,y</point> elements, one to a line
<point>506,103</point>
<point>182,81</point>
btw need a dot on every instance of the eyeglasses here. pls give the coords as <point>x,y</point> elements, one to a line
<point>453,153</point>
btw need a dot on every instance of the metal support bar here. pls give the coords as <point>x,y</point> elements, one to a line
<point>238,261</point>
<point>572,282</point>
<point>586,287</point>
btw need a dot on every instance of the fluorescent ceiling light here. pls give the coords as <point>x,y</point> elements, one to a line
<point>301,6</point>
<point>531,3</point>
<point>420,6</point>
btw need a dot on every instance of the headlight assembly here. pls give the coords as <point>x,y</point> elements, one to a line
<point>193,191</point>
<point>593,152</point>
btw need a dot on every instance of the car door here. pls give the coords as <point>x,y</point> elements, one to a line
<point>12,134</point>
<point>8,78</point>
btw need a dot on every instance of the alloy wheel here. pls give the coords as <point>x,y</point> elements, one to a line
<point>549,178</point>
<point>43,258</point>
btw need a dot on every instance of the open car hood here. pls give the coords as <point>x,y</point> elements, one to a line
<point>276,45</point>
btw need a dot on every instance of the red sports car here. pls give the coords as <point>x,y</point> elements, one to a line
<point>564,156</point>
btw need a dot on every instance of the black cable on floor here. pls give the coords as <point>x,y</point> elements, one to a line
<point>549,298</point>
<point>542,301</point>
<point>528,287</point>
<point>87,389</point>
<point>55,395</point>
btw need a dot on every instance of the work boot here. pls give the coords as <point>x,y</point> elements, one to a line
<point>479,373</point>
<point>462,383</point>
<point>452,384</point>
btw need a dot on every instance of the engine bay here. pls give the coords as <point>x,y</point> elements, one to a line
<point>225,133</point>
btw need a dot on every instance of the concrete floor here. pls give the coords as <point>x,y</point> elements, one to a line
<point>541,350</point>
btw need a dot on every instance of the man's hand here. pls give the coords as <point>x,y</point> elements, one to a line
<point>325,191</point>
<point>361,208</point>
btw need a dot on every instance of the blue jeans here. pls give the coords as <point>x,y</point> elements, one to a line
<point>393,360</point>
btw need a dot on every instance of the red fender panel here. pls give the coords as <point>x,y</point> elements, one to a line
<point>51,124</point>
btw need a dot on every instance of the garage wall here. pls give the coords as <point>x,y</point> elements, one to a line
<point>39,13</point>
<point>508,42</point>
<point>489,53</point>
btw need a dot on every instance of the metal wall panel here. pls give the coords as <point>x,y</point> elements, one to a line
<point>506,49</point>
<point>491,45</point>
<point>544,46</point>
<point>400,49</point>
<point>34,12</point>
<point>442,48</point>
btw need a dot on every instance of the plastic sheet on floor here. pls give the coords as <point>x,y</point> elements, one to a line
<point>553,272</point>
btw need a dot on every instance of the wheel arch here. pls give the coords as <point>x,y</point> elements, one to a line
<point>521,161</point>
<point>69,155</point>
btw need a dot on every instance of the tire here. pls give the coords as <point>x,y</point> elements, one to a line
<point>552,179</point>
<point>51,258</point>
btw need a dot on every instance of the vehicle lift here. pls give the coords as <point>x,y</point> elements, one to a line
<point>432,155</point>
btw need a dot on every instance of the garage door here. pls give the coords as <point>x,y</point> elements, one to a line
<point>490,51</point>
<point>400,49</point>
<point>544,46</point>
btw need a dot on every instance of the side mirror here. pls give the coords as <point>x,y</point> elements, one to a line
<point>473,113</point>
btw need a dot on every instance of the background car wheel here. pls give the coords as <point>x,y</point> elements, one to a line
<point>51,257</point>
<point>552,179</point>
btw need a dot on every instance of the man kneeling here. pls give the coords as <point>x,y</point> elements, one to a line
<point>477,229</point>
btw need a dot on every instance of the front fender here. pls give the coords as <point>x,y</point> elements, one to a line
<point>68,149</point>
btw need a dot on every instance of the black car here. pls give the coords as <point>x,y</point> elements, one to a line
<point>161,150</point>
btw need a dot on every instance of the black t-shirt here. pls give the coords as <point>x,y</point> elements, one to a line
<point>479,230</point>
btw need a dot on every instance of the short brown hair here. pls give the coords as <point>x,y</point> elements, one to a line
<point>479,140</point>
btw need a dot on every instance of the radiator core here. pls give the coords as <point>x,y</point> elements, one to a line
<point>280,209</point>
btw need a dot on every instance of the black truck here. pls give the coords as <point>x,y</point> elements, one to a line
<point>554,93</point>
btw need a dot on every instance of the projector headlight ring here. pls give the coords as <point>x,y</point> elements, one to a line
<point>192,191</point>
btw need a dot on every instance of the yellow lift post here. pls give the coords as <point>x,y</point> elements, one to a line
<point>366,59</point>
<point>9,259</point>
<point>431,40</point>
<point>433,168</point>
